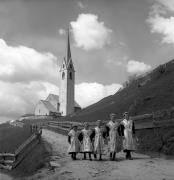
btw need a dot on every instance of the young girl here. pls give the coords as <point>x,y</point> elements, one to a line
<point>114,138</point>
<point>86,142</point>
<point>74,142</point>
<point>98,141</point>
<point>128,132</point>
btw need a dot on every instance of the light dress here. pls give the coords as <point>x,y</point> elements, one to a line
<point>75,143</point>
<point>86,144</point>
<point>99,141</point>
<point>115,144</point>
<point>129,142</point>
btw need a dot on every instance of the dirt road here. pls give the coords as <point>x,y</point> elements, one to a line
<point>141,168</point>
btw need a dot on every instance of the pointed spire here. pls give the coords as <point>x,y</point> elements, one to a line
<point>67,60</point>
<point>68,53</point>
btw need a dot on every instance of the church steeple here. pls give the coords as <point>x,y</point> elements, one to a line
<point>67,81</point>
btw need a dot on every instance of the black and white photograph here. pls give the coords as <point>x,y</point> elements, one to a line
<point>86,89</point>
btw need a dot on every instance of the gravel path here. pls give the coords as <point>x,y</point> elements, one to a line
<point>63,168</point>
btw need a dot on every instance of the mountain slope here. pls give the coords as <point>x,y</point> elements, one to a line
<point>152,92</point>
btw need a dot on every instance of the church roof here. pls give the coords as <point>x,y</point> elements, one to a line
<point>52,96</point>
<point>56,97</point>
<point>76,104</point>
<point>49,106</point>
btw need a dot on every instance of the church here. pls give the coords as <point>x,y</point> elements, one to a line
<point>64,104</point>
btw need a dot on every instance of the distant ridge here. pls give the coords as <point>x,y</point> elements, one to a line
<point>144,94</point>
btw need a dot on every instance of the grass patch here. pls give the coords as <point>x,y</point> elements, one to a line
<point>11,137</point>
<point>159,140</point>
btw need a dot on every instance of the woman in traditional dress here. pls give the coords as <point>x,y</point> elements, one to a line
<point>128,133</point>
<point>74,142</point>
<point>114,138</point>
<point>98,141</point>
<point>86,141</point>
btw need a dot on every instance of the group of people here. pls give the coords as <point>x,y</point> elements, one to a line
<point>116,135</point>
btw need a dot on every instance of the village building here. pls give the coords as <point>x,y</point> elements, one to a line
<point>64,104</point>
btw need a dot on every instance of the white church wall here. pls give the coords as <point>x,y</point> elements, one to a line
<point>63,92</point>
<point>41,109</point>
<point>67,92</point>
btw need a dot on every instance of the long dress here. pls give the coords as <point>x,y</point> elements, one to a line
<point>86,143</point>
<point>98,141</point>
<point>74,142</point>
<point>115,144</point>
<point>129,142</point>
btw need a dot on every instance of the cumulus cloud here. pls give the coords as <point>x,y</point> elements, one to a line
<point>90,33</point>
<point>131,66</point>
<point>62,31</point>
<point>24,64</point>
<point>137,67</point>
<point>164,26</point>
<point>161,24</point>
<point>89,93</point>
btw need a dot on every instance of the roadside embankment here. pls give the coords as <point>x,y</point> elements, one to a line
<point>37,159</point>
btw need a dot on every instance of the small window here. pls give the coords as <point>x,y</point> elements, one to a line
<point>70,75</point>
<point>63,75</point>
<point>70,66</point>
<point>63,65</point>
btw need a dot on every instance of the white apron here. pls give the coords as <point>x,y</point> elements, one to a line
<point>75,143</point>
<point>128,142</point>
<point>115,144</point>
<point>86,144</point>
<point>98,142</point>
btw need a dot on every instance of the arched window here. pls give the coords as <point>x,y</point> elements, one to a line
<point>63,75</point>
<point>70,66</point>
<point>70,75</point>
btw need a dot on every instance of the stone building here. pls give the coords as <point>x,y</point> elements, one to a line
<point>64,104</point>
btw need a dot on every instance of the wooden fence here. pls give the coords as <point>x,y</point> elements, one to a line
<point>11,160</point>
<point>163,118</point>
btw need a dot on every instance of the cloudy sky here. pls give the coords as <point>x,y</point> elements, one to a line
<point>110,40</point>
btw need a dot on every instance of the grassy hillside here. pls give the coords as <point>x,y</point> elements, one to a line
<point>149,93</point>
